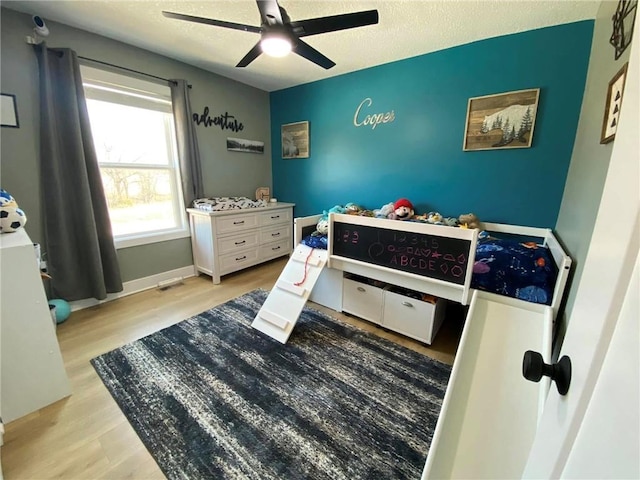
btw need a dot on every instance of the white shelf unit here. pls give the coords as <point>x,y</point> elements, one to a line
<point>230,240</point>
<point>31,367</point>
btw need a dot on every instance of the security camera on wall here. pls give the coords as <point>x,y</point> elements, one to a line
<point>40,30</point>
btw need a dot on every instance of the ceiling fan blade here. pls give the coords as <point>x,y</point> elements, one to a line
<point>251,56</point>
<point>314,26</point>
<point>307,51</point>
<point>210,21</point>
<point>270,12</point>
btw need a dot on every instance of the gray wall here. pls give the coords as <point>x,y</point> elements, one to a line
<point>590,159</point>
<point>225,173</point>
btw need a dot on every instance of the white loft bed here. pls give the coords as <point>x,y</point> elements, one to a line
<point>440,288</point>
<point>489,413</point>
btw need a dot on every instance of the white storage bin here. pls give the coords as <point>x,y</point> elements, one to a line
<point>414,317</point>
<point>363,300</point>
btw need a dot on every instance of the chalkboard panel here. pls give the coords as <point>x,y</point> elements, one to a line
<point>432,256</point>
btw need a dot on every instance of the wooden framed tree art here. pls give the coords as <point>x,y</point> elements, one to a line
<point>501,121</point>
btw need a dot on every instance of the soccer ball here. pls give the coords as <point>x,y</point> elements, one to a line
<point>11,219</point>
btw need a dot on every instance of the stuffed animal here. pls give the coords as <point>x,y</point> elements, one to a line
<point>469,220</point>
<point>12,217</point>
<point>450,221</point>
<point>323,226</point>
<point>403,209</point>
<point>386,211</point>
<point>334,209</point>
<point>352,209</point>
<point>435,218</point>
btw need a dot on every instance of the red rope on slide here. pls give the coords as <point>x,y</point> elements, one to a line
<point>306,263</point>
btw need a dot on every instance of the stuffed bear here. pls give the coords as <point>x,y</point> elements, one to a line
<point>403,209</point>
<point>469,220</point>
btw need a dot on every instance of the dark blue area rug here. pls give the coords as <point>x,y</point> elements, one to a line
<point>212,398</point>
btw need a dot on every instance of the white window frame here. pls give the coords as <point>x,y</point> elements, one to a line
<point>117,88</point>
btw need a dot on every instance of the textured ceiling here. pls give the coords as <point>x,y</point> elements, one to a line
<point>406,29</point>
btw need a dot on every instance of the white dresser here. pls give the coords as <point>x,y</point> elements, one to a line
<point>31,369</point>
<point>230,240</point>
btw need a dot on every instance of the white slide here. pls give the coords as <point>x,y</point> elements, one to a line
<point>282,308</point>
<point>490,412</point>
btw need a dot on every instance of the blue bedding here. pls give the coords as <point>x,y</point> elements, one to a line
<point>520,270</point>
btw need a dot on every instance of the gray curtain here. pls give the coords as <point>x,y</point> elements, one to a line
<point>81,254</point>
<point>188,153</point>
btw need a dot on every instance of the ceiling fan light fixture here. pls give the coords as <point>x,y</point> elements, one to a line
<point>276,45</point>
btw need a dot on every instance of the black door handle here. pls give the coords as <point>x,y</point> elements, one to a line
<point>534,368</point>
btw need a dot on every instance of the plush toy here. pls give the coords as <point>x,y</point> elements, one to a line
<point>403,209</point>
<point>450,221</point>
<point>352,209</point>
<point>323,226</point>
<point>435,218</point>
<point>334,209</point>
<point>12,217</point>
<point>468,220</point>
<point>386,211</point>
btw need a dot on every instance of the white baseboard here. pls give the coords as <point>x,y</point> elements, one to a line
<point>137,285</point>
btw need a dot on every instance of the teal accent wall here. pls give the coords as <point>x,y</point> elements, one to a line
<point>419,155</point>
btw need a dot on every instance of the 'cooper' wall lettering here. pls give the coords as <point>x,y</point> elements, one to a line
<point>374,119</point>
<point>225,121</point>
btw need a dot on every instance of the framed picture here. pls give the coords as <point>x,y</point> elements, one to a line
<point>295,140</point>
<point>613,105</point>
<point>8,111</point>
<point>503,120</point>
<point>247,146</point>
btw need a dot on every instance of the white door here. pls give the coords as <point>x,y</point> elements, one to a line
<point>597,311</point>
<point>608,442</point>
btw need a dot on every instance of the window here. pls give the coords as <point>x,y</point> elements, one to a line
<point>134,137</point>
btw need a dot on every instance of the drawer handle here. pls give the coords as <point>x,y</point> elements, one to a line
<point>277,216</point>
<point>239,223</point>
<point>275,234</point>
<point>241,258</point>
<point>276,248</point>
<point>360,289</point>
<point>240,243</point>
<point>407,304</point>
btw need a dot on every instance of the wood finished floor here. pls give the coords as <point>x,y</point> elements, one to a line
<point>86,436</point>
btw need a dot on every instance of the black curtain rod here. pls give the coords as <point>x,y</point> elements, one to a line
<point>128,69</point>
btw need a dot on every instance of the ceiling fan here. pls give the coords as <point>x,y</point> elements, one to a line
<point>279,35</point>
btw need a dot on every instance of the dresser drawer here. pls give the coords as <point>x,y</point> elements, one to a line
<point>236,223</point>
<point>412,317</point>
<point>236,261</point>
<point>275,217</point>
<point>238,242</point>
<point>273,234</point>
<point>277,249</point>
<point>362,300</point>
